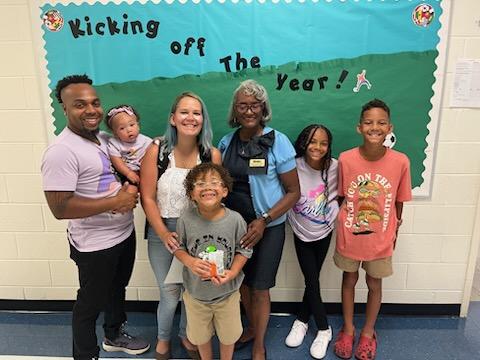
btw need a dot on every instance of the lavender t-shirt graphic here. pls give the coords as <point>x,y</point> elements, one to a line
<point>107,179</point>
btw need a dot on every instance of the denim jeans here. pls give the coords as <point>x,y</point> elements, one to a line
<point>160,260</point>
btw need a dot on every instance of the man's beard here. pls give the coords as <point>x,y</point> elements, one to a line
<point>85,133</point>
<point>90,134</point>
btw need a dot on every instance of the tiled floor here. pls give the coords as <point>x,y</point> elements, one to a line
<point>423,338</point>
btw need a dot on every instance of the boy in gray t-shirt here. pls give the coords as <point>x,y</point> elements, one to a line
<point>211,297</point>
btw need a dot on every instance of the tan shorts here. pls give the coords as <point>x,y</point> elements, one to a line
<point>223,318</point>
<point>377,269</point>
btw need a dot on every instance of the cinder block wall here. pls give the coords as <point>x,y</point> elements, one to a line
<point>435,254</point>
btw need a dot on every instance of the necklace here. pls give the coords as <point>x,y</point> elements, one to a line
<point>243,145</point>
<point>185,162</point>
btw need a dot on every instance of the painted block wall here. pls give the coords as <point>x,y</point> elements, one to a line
<point>436,251</point>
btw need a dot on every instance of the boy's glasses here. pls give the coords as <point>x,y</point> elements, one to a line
<point>206,184</point>
<point>243,108</point>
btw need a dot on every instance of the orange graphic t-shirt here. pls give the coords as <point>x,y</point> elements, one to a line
<point>367,220</point>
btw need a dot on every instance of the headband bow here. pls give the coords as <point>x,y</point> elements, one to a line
<point>122,109</point>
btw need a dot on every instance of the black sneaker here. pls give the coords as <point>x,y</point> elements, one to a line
<point>126,343</point>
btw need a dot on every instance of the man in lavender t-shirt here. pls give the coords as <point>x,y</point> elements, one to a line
<point>79,185</point>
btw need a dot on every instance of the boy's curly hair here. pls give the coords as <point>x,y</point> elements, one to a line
<point>201,170</point>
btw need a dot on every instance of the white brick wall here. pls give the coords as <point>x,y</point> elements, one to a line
<point>433,260</point>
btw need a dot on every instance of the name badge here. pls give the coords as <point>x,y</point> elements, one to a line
<point>256,163</point>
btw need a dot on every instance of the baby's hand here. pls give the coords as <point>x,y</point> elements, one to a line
<point>133,177</point>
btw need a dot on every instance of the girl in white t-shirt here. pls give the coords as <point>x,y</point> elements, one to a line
<point>312,220</point>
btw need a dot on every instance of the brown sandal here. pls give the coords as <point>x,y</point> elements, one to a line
<point>193,354</point>
<point>165,356</point>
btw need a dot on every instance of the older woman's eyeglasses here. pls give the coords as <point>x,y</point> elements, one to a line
<point>254,107</point>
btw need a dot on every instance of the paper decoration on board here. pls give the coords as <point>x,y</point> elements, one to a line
<point>423,15</point>
<point>362,81</point>
<point>53,20</point>
<point>390,140</point>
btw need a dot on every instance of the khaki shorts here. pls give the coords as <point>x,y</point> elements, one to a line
<point>378,269</point>
<point>203,320</point>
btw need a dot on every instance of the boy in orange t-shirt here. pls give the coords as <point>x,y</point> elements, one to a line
<point>373,183</point>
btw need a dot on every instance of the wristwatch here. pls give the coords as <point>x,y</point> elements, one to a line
<point>266,217</point>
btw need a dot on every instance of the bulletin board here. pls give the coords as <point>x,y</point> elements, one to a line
<point>320,61</point>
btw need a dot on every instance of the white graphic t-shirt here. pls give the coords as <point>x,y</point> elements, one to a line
<point>313,216</point>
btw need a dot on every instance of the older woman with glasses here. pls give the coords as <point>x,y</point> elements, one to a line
<point>261,161</point>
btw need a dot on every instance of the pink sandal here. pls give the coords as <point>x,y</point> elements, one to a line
<point>367,347</point>
<point>344,345</point>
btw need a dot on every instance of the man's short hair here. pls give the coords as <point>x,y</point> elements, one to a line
<point>71,79</point>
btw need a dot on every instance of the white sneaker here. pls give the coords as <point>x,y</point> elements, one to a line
<point>320,344</point>
<point>296,334</point>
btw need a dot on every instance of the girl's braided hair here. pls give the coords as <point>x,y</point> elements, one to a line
<point>301,145</point>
